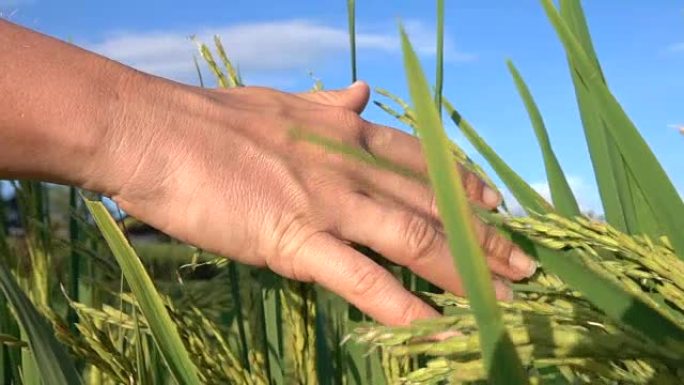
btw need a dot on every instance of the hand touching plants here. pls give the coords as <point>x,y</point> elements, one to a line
<point>220,170</point>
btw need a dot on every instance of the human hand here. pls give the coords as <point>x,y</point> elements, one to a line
<point>219,169</point>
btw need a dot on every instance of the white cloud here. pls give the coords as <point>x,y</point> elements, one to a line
<point>677,47</point>
<point>14,3</point>
<point>585,193</point>
<point>260,47</point>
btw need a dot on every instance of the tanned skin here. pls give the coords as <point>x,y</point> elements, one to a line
<point>220,170</point>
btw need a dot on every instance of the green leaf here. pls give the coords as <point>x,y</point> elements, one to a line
<point>53,363</point>
<point>239,312</point>
<point>660,194</point>
<point>198,70</point>
<point>140,358</point>
<point>561,194</point>
<point>609,169</point>
<point>161,326</point>
<point>273,332</point>
<point>501,360</point>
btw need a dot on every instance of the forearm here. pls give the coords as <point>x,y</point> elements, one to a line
<point>58,107</point>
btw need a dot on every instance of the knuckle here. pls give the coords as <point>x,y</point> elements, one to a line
<point>376,138</point>
<point>420,237</point>
<point>495,245</point>
<point>480,230</point>
<point>350,120</point>
<point>367,280</point>
<point>473,185</point>
<point>432,205</point>
<point>289,236</point>
<point>410,312</point>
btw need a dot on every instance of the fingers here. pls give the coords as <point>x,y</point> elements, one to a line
<point>419,196</point>
<point>502,251</point>
<point>404,149</point>
<point>361,281</point>
<point>354,98</point>
<point>414,241</point>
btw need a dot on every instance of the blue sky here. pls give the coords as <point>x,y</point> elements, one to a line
<point>276,43</point>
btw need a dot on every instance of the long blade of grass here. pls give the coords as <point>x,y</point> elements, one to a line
<point>637,216</point>
<point>200,79</point>
<point>659,192</point>
<point>11,358</point>
<point>501,360</point>
<point>53,363</point>
<point>161,326</point>
<point>74,256</point>
<point>356,153</point>
<point>273,333</point>
<point>609,169</point>
<point>351,21</point>
<point>140,357</point>
<point>561,193</point>
<point>240,320</point>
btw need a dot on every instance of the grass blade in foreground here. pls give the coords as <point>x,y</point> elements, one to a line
<point>162,327</point>
<point>53,362</point>
<point>661,196</point>
<point>563,198</point>
<point>501,360</point>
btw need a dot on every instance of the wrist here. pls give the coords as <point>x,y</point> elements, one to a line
<point>145,135</point>
<point>122,135</point>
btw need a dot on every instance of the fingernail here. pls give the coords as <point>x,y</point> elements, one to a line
<point>490,197</point>
<point>356,83</point>
<point>503,290</point>
<point>523,263</point>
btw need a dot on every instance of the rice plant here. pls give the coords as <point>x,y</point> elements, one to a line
<point>606,306</point>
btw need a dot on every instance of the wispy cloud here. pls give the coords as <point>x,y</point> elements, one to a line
<point>585,193</point>
<point>676,47</point>
<point>14,3</point>
<point>678,127</point>
<point>261,47</point>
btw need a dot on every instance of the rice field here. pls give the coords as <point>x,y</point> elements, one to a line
<point>89,300</point>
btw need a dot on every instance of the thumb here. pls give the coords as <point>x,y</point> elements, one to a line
<point>355,97</point>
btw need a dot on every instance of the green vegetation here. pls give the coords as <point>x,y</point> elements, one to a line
<point>606,307</point>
